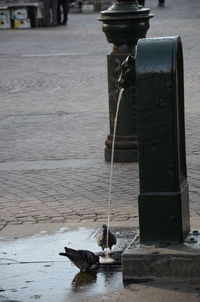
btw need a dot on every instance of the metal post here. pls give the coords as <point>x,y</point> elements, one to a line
<point>123,24</point>
<point>163,199</point>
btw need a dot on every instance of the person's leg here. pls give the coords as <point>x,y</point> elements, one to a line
<point>46,12</point>
<point>59,12</point>
<point>65,11</point>
<point>54,8</point>
<point>161,2</point>
<point>141,2</point>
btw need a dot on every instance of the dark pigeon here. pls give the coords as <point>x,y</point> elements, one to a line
<point>83,259</point>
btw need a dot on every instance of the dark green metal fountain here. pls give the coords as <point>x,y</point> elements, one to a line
<point>151,124</point>
<point>164,221</point>
<point>164,197</point>
<point>124,23</point>
<point>156,70</point>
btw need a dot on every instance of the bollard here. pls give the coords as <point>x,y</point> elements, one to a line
<point>164,222</point>
<point>163,198</point>
<point>123,24</point>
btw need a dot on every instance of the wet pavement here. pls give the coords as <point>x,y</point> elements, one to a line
<point>31,268</point>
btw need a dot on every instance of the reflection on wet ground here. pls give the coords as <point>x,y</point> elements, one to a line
<point>31,268</point>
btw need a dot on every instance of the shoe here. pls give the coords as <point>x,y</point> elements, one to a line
<point>64,23</point>
<point>161,4</point>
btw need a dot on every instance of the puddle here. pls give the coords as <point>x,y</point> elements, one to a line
<point>31,268</point>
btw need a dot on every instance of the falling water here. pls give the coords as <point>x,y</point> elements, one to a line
<point>112,158</point>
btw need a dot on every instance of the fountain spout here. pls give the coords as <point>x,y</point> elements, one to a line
<point>127,75</point>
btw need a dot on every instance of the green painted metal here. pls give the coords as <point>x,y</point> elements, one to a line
<point>163,198</point>
<point>123,24</point>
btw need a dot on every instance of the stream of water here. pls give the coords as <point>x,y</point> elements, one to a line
<point>112,158</point>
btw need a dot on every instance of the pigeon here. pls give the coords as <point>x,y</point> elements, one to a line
<point>83,259</point>
<point>102,238</point>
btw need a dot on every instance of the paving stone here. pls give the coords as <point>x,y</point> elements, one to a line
<point>54,120</point>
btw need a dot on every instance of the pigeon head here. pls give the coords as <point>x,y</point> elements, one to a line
<point>104,227</point>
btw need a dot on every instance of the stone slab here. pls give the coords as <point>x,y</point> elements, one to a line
<point>175,262</point>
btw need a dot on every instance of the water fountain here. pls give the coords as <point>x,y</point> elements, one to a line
<point>165,250</point>
<point>153,84</point>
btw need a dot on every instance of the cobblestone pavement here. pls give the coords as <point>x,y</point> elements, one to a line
<point>54,121</point>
